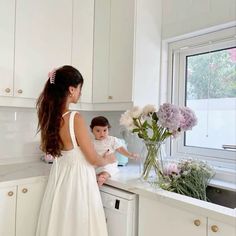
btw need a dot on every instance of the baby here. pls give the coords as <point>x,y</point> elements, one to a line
<point>104,143</point>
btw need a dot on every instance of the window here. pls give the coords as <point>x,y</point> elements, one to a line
<point>204,78</point>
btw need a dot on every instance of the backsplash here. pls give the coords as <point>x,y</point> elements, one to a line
<point>20,142</point>
<point>18,138</point>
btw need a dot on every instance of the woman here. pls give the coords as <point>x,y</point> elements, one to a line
<point>72,204</point>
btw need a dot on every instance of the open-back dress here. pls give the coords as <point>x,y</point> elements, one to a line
<point>72,203</point>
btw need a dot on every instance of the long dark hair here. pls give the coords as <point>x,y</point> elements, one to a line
<point>50,105</point>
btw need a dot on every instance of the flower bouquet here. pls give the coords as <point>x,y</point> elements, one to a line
<point>154,127</point>
<point>187,177</point>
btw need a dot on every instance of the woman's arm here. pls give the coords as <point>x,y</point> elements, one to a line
<point>84,141</point>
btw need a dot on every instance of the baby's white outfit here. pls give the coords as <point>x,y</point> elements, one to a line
<point>72,204</point>
<point>101,146</point>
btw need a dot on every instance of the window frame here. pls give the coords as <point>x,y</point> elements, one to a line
<point>224,161</point>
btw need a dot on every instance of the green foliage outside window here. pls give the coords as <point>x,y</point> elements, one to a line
<point>212,75</point>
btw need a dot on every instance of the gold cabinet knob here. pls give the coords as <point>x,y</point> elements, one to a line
<point>110,97</point>
<point>214,228</point>
<point>24,190</point>
<point>10,193</point>
<point>20,91</point>
<point>7,90</point>
<point>197,222</point>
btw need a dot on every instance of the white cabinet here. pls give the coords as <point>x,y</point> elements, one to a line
<point>27,217</point>
<point>35,38</point>
<point>7,210</point>
<point>158,218</point>
<point>42,41</point>
<point>19,207</point>
<point>218,228</point>
<point>103,50</point>
<point>113,50</point>
<point>122,68</point>
<point>7,24</point>
<point>115,44</point>
<point>82,43</point>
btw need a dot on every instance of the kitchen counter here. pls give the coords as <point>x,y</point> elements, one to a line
<point>128,180</point>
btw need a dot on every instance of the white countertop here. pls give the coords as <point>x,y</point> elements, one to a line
<point>127,179</point>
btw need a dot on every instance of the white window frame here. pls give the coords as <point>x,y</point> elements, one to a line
<point>224,161</point>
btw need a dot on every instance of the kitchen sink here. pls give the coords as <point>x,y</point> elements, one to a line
<point>221,197</point>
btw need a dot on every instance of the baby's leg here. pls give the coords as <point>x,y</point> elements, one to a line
<point>102,177</point>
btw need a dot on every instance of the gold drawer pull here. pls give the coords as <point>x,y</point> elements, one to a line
<point>20,91</point>
<point>110,97</point>
<point>7,90</point>
<point>24,190</point>
<point>197,222</point>
<point>10,193</point>
<point>214,228</point>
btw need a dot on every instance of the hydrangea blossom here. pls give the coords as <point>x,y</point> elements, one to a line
<point>169,117</point>
<point>189,119</point>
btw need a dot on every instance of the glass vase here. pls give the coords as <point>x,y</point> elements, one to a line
<point>151,165</point>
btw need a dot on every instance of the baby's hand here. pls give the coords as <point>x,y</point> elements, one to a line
<point>135,156</point>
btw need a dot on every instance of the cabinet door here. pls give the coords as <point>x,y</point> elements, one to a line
<point>7,211</point>
<point>43,41</point>
<point>121,51</point>
<point>28,205</point>
<point>7,21</point>
<point>217,228</point>
<point>101,50</point>
<point>156,218</point>
<point>82,44</point>
<point>113,51</point>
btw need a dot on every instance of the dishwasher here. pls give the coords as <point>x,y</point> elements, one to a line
<point>120,210</point>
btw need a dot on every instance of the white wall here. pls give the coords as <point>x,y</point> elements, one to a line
<point>184,16</point>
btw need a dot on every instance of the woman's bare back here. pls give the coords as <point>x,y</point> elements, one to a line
<point>65,133</point>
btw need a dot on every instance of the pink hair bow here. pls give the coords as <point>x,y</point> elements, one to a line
<point>51,76</point>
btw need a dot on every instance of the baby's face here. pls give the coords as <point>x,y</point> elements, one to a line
<point>100,132</point>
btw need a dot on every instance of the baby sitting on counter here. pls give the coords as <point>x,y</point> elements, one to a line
<point>104,143</point>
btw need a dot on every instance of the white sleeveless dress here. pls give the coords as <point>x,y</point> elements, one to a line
<point>72,203</point>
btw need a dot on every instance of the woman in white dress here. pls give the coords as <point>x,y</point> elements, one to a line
<point>72,204</point>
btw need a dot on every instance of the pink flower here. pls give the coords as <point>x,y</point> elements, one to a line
<point>171,168</point>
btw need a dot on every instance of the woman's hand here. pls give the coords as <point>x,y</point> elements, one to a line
<point>109,157</point>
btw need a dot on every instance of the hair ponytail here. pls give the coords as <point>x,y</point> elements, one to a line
<point>50,105</point>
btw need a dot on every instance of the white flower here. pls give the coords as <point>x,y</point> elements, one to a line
<point>149,109</point>
<point>136,112</point>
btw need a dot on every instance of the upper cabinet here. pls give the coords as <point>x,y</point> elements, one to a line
<point>113,51</point>
<point>123,67</point>
<point>42,42</point>
<point>7,21</point>
<point>114,43</point>
<point>35,38</point>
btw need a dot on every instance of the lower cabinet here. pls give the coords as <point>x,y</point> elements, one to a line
<point>19,207</point>
<point>7,210</point>
<point>159,219</point>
